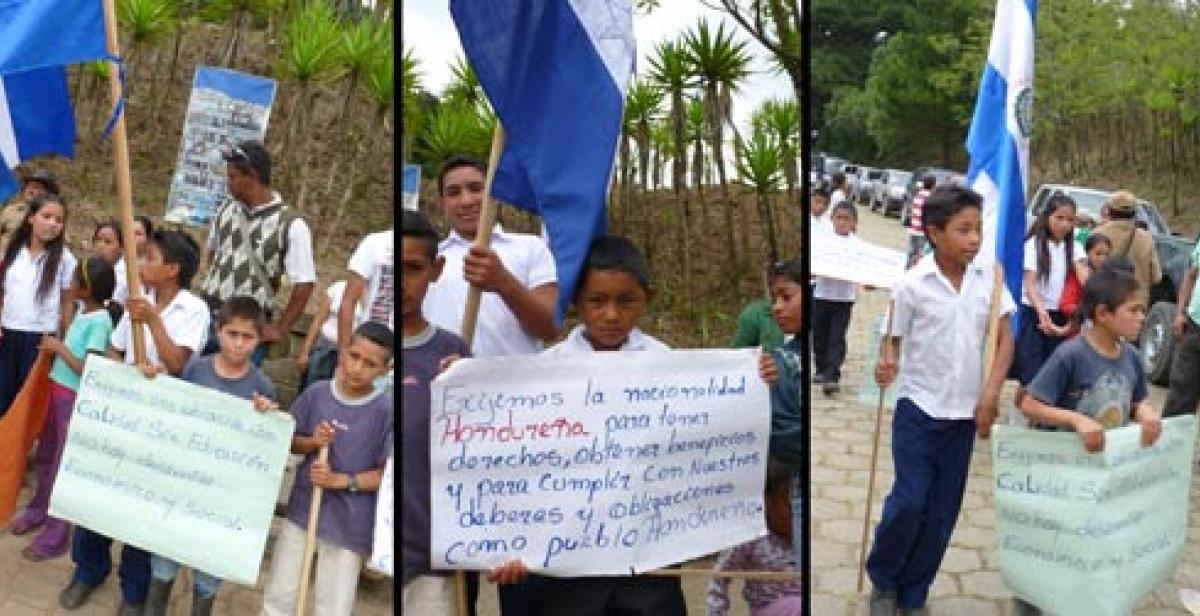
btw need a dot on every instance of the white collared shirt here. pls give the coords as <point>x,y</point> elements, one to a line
<point>497,331</point>
<point>186,320</point>
<point>1050,289</point>
<point>23,311</point>
<point>575,343</point>
<point>942,333</point>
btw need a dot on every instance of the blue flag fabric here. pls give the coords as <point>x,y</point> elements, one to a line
<point>998,141</point>
<point>35,119</point>
<point>42,33</point>
<point>556,72</point>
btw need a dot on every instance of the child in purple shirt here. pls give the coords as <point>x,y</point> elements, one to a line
<point>354,419</point>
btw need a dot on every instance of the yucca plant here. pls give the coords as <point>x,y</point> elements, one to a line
<point>143,23</point>
<point>359,48</point>
<point>410,90</point>
<point>781,120</point>
<point>721,64</point>
<point>309,57</point>
<point>760,165</point>
<point>456,129</point>
<point>239,14</point>
<point>464,84</point>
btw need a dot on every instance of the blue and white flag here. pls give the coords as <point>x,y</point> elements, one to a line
<point>35,119</point>
<point>41,33</point>
<point>556,72</point>
<point>38,38</point>
<point>999,139</point>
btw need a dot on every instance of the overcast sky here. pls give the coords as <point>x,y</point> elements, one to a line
<point>428,30</point>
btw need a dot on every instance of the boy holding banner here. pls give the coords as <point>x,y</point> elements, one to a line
<point>177,324</point>
<point>239,328</point>
<point>941,316</point>
<point>612,296</point>
<point>426,347</point>
<point>360,416</point>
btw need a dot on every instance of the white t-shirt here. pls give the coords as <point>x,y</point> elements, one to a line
<point>832,289</point>
<point>23,311</point>
<point>1049,290</point>
<point>329,328</point>
<point>497,331</point>
<point>375,261</point>
<point>298,263</point>
<point>186,320</point>
<point>837,197</point>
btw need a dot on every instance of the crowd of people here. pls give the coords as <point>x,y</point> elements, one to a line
<point>217,337</point>
<point>516,317</point>
<point>1083,302</point>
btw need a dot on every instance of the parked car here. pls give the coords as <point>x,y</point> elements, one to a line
<point>867,179</point>
<point>889,191</point>
<point>827,166</point>
<point>1155,341</point>
<point>851,171</point>
<point>940,176</point>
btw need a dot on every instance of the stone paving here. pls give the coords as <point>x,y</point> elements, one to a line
<point>969,582</point>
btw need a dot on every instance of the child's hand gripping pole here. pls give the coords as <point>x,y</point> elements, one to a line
<point>884,356</point>
<point>310,541</point>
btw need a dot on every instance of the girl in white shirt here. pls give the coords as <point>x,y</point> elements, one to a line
<point>1051,256</point>
<point>34,277</point>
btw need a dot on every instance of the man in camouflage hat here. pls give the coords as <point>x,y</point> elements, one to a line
<point>37,182</point>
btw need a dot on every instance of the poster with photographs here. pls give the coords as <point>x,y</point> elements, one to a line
<point>226,107</point>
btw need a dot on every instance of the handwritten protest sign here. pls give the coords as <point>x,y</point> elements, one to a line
<point>226,107</point>
<point>1091,534</point>
<point>597,464</point>
<point>382,558</point>
<point>173,468</point>
<point>852,259</point>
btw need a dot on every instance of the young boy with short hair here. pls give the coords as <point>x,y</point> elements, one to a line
<point>239,329</point>
<point>612,296</point>
<point>175,324</point>
<point>426,347</point>
<point>354,419</point>
<point>938,328</point>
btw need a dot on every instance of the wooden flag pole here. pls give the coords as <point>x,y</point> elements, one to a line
<point>310,540</point>
<point>993,330</point>
<point>483,237</point>
<point>862,551</point>
<point>124,182</point>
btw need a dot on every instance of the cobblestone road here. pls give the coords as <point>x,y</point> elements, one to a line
<point>969,581</point>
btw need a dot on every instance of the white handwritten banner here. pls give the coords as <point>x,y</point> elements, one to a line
<point>597,464</point>
<point>176,469</point>
<point>382,552</point>
<point>1091,534</point>
<point>852,259</point>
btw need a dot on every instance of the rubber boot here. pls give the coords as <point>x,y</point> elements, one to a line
<point>202,606</point>
<point>159,595</point>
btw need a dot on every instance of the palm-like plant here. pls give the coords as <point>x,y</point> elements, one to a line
<point>464,84</point>
<point>456,129</point>
<point>759,163</point>
<point>239,13</point>
<point>410,89</point>
<point>144,22</point>
<point>661,142</point>
<point>359,48</point>
<point>781,120</point>
<point>670,71</point>
<point>310,56</point>
<point>721,64</point>
<point>641,110</point>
